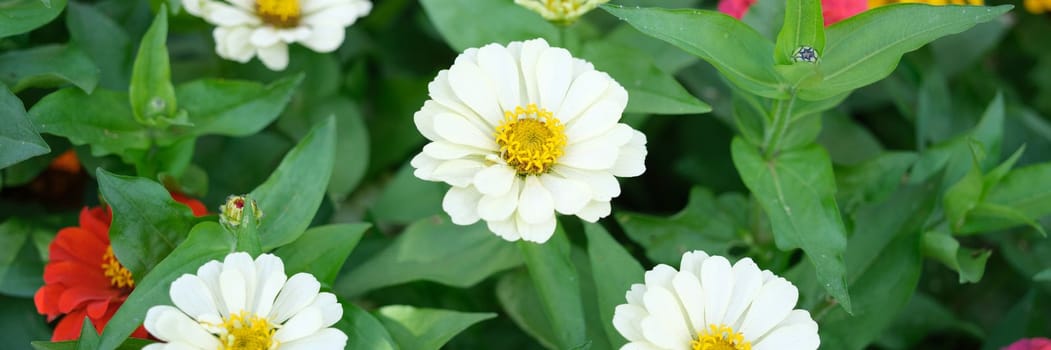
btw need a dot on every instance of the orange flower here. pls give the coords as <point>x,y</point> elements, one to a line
<point>84,278</point>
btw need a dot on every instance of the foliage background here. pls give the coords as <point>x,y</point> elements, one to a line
<point>988,293</point>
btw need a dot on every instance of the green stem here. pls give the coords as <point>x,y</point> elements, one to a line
<point>782,120</point>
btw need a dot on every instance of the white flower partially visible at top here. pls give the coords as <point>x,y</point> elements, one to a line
<point>522,132</point>
<point>244,304</point>
<point>561,11</point>
<point>710,305</point>
<point>247,28</point>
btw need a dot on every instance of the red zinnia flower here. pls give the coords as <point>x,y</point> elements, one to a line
<point>832,10</point>
<point>1031,344</point>
<point>84,278</point>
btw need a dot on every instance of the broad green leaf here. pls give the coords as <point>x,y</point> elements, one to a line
<point>151,92</point>
<point>426,329</point>
<point>665,56</point>
<point>956,53</point>
<point>766,16</point>
<point>18,139</point>
<point>21,16</point>
<point>352,141</point>
<point>21,267</point>
<point>963,196</point>
<point>872,181</point>
<point>292,194</point>
<point>735,49</point>
<point>650,90</point>
<point>867,47</point>
<point>803,26</point>
<point>1024,190</point>
<point>503,22</point>
<point>104,41</point>
<point>233,107</point>
<point>48,66</point>
<point>406,198</point>
<point>321,251</point>
<point>102,120</point>
<point>519,299</point>
<point>920,318</point>
<point>207,241</point>
<point>129,344</point>
<point>1043,276</point>
<point>847,141</point>
<point>436,250</point>
<point>1022,320</point>
<point>614,271</point>
<point>797,190</point>
<point>363,330</point>
<point>702,224</point>
<point>147,223</point>
<point>969,263</point>
<point>20,323</point>
<point>954,155</point>
<point>933,110</point>
<point>558,286</point>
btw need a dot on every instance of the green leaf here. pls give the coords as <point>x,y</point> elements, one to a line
<point>558,286</point>
<point>1024,190</point>
<point>207,241</point>
<point>89,337</point>
<point>867,47</point>
<point>955,154</point>
<point>963,196</point>
<point>292,194</point>
<point>872,181</point>
<point>147,223</point>
<point>803,26</point>
<point>933,109</point>
<point>21,16</point>
<point>20,323</point>
<point>614,271</point>
<point>151,92</point>
<point>406,198</point>
<point>18,138</point>
<point>969,263</point>
<point>433,249</point>
<point>321,251</point>
<point>1021,320</point>
<point>504,22</point>
<point>129,344</point>
<point>650,90</point>
<point>797,190</point>
<point>352,141</point>
<point>233,107</point>
<point>701,224</point>
<point>104,41</point>
<point>102,120</point>
<point>1043,276</point>
<point>48,66</point>
<point>21,267</point>
<point>363,331</point>
<point>426,329</point>
<point>735,49</point>
<point>519,298</point>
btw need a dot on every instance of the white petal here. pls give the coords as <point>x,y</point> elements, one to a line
<point>209,274</point>
<point>325,339</point>
<point>500,208</point>
<point>274,57</point>
<point>331,310</point>
<point>774,302</point>
<point>535,205</point>
<point>692,261</point>
<point>631,160</point>
<point>324,38</point>
<point>475,89</point>
<point>445,150</point>
<point>585,91</point>
<point>747,282</point>
<point>528,56</point>
<point>627,319</point>
<point>169,324</point>
<point>291,35</point>
<point>442,94</point>
<point>461,204</point>
<point>594,211</point>
<point>538,232</point>
<point>495,180</point>
<point>456,129</point>
<point>271,277</point>
<point>795,335</point>
<point>634,295</point>
<point>569,195</point>
<point>340,15</point>
<point>298,292</point>
<point>304,323</point>
<point>425,166</point>
<point>223,15</point>
<point>596,120</point>
<point>234,291</point>
<point>692,297</point>
<point>193,7</point>
<point>553,74</point>
<point>639,346</point>
<point>233,43</point>
<point>717,280</point>
<point>192,296</point>
<point>666,325</point>
<point>457,172</point>
<point>506,229</point>
<point>244,4</point>
<point>264,36</point>
<point>660,276</point>
<point>590,155</point>
<point>424,118</point>
<point>498,64</point>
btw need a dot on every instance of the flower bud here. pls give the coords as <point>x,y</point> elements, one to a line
<point>231,214</point>
<point>563,12</point>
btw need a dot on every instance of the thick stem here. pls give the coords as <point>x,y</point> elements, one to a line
<point>779,127</point>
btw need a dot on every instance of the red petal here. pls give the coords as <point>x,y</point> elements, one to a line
<point>74,243</point>
<point>46,300</point>
<point>75,298</point>
<point>196,206</point>
<point>76,274</point>
<point>96,220</point>
<point>68,327</point>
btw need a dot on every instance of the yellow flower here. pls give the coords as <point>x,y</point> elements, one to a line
<point>1037,6</point>
<point>878,3</point>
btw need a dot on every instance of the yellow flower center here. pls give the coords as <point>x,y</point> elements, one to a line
<point>247,332</point>
<point>119,276</point>
<point>278,13</point>
<point>530,139</point>
<point>720,337</point>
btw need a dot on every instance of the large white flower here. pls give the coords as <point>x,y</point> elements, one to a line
<point>244,304</point>
<point>522,132</point>
<point>247,28</point>
<point>709,305</point>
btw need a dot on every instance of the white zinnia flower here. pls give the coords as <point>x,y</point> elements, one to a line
<point>246,28</point>
<point>523,131</point>
<point>245,304</point>
<point>710,305</point>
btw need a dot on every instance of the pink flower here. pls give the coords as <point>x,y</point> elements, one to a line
<point>833,10</point>
<point>1030,344</point>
